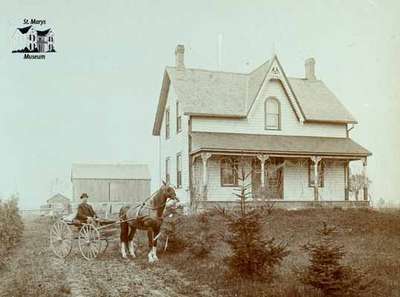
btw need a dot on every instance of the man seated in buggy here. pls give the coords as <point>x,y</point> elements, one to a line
<point>85,213</point>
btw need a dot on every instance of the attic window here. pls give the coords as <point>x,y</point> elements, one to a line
<point>272,114</point>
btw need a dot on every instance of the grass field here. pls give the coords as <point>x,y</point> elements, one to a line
<point>371,240</point>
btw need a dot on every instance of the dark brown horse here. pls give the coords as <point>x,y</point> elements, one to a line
<point>146,216</point>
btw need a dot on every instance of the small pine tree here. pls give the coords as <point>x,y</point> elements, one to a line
<point>252,256</point>
<point>326,272</point>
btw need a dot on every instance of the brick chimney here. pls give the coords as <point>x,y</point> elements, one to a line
<point>310,69</point>
<point>179,57</point>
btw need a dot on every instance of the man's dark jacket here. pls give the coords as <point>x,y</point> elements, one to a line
<point>84,211</point>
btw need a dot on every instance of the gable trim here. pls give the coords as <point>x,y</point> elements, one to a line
<point>286,86</point>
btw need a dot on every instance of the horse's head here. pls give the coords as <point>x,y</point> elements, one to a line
<point>169,192</point>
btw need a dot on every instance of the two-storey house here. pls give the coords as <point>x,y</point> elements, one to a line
<point>290,136</point>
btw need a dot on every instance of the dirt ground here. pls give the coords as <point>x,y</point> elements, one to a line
<point>33,270</point>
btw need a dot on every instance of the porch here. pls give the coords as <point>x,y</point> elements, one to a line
<point>292,171</point>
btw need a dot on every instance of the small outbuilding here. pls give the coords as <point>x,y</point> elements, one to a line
<point>58,203</point>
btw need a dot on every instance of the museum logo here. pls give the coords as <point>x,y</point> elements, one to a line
<point>34,39</point>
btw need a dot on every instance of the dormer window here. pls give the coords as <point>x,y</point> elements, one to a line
<point>272,114</point>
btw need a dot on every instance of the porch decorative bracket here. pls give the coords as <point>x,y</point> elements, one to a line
<point>365,178</point>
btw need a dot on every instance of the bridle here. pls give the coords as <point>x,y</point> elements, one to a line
<point>163,205</point>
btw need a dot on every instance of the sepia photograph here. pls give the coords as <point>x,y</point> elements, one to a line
<point>199,148</point>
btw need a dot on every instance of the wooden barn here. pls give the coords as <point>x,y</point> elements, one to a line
<point>110,184</point>
<point>291,134</point>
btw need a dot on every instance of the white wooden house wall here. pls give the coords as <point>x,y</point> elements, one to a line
<point>295,183</point>
<point>176,143</point>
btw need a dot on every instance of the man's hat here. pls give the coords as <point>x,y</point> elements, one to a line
<point>84,195</point>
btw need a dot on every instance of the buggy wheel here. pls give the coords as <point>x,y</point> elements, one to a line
<point>61,238</point>
<point>89,241</point>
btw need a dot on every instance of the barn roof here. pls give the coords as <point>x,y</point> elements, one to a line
<point>110,171</point>
<point>227,94</point>
<point>278,144</point>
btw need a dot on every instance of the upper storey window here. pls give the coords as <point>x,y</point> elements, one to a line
<point>178,118</point>
<point>272,114</point>
<point>167,131</point>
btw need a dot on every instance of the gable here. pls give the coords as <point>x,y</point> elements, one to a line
<point>275,73</point>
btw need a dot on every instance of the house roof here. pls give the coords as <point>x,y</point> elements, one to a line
<point>24,29</point>
<point>43,32</point>
<point>318,102</point>
<point>227,94</point>
<point>295,145</point>
<point>124,170</point>
<point>58,197</point>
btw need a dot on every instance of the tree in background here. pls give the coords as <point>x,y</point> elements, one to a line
<point>326,272</point>
<point>11,226</point>
<point>357,182</point>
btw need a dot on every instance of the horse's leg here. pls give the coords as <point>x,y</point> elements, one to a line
<point>124,238</point>
<point>130,241</point>
<point>156,232</point>
<point>151,253</point>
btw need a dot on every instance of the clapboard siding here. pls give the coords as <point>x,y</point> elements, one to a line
<point>255,122</point>
<point>215,192</point>
<point>176,143</point>
<point>101,190</point>
<point>296,182</point>
<point>295,185</point>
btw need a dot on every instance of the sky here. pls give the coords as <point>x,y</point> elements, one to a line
<point>96,97</point>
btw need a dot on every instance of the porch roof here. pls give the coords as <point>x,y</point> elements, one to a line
<point>277,144</point>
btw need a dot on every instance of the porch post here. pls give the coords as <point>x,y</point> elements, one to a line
<point>346,180</point>
<point>262,159</point>
<point>204,158</point>
<point>316,160</point>
<point>365,179</point>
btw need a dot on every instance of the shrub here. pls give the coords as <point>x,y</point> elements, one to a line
<point>252,256</point>
<point>11,226</point>
<point>201,243</point>
<point>326,272</point>
<point>176,239</point>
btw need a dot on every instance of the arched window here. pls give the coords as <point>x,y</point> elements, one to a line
<point>272,114</point>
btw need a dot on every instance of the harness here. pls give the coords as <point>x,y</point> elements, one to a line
<point>140,207</point>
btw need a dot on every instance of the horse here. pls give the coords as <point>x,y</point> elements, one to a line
<point>146,216</point>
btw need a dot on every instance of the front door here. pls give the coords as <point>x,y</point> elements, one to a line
<point>273,178</point>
